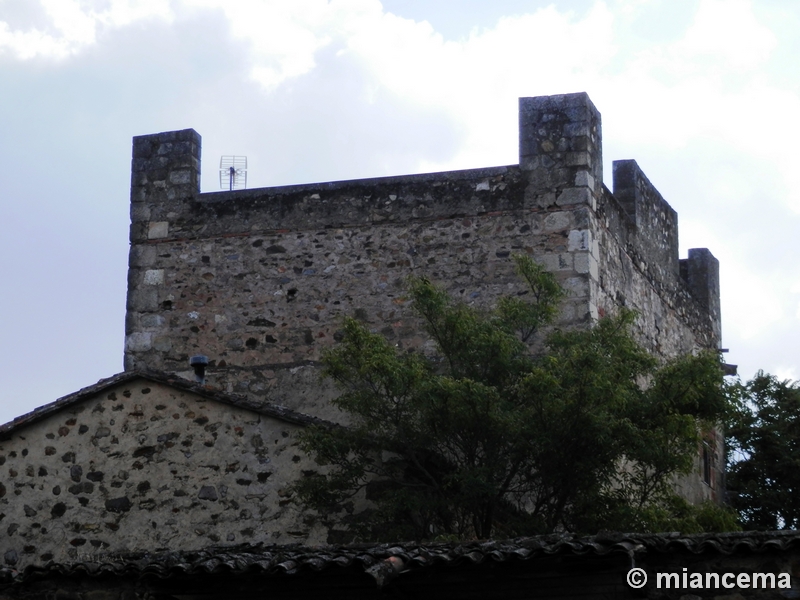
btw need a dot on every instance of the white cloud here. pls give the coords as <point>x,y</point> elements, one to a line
<point>750,303</point>
<point>73,26</point>
<point>285,36</point>
<point>76,26</point>
<point>708,92</point>
<point>125,12</point>
<point>785,372</point>
<point>32,43</point>
<point>726,31</point>
<point>478,79</point>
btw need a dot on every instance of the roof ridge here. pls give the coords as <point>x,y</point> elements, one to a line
<point>266,408</point>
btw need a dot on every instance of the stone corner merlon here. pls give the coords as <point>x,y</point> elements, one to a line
<point>560,149</point>
<point>701,273</point>
<point>165,168</point>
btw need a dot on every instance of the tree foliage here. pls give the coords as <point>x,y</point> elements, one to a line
<point>764,453</point>
<point>484,437</point>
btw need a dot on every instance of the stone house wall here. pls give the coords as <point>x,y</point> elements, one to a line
<point>143,465</point>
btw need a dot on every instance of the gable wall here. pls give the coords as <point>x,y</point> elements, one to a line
<point>144,466</point>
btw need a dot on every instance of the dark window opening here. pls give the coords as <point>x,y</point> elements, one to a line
<point>706,463</point>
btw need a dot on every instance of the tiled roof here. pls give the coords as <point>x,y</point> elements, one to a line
<point>205,391</point>
<point>385,561</point>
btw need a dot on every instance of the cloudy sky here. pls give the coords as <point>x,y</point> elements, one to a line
<point>702,93</point>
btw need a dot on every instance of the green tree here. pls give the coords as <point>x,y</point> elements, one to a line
<point>486,437</point>
<point>764,453</point>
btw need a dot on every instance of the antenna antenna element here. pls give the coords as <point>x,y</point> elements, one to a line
<point>233,172</point>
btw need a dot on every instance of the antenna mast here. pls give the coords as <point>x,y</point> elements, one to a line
<point>233,172</point>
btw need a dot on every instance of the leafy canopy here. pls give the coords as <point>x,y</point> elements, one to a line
<point>486,438</point>
<point>764,453</point>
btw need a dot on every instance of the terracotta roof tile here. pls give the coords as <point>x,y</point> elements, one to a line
<point>295,560</point>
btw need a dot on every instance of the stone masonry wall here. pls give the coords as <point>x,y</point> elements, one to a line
<point>144,466</point>
<point>644,274</point>
<point>638,239</point>
<point>259,281</point>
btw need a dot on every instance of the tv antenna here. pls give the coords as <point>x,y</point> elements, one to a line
<point>233,172</point>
